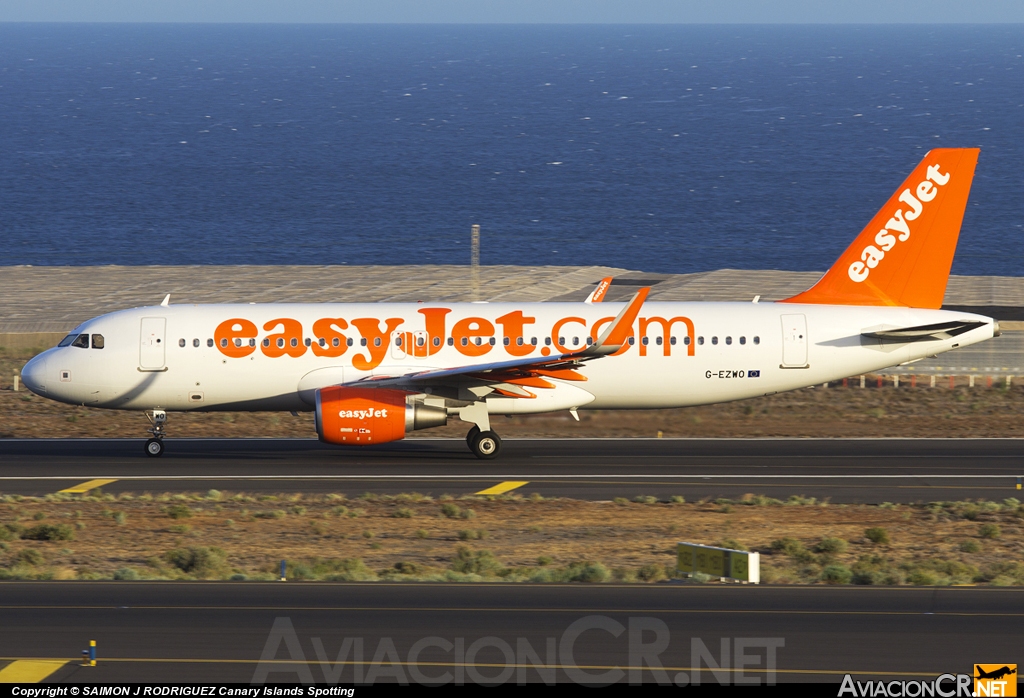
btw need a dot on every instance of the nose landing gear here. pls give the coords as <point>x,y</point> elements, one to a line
<point>155,446</point>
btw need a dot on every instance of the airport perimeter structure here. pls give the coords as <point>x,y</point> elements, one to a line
<point>40,304</point>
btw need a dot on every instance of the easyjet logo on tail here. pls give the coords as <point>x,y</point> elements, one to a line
<point>897,229</point>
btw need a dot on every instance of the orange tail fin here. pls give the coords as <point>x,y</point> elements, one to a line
<point>904,255</point>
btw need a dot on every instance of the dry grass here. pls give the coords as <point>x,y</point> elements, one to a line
<point>225,536</point>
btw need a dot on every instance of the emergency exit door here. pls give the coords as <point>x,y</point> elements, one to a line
<point>152,343</point>
<point>794,341</point>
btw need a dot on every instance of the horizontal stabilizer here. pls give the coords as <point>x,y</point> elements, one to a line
<point>941,330</point>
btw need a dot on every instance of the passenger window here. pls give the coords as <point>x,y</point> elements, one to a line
<point>728,340</point>
<point>280,342</point>
<point>631,341</point>
<point>700,341</point>
<point>575,341</point>
<point>491,341</point>
<point>672,341</point>
<point>451,341</point>
<point>478,341</point>
<point>224,343</point>
<point>362,341</point>
<point>561,340</point>
<point>181,342</point>
<point>743,340</point>
<point>67,340</point>
<point>308,341</point>
<point>420,341</point>
<point>398,341</point>
<point>686,340</point>
<point>209,342</point>
<point>714,340</point>
<point>590,340</point>
<point>533,341</point>
<point>336,342</point>
<point>757,340</point>
<point>376,341</point>
<point>252,342</point>
<point>351,341</point>
<point>658,341</point>
<point>266,341</point>
<point>506,341</point>
<point>97,341</point>
<point>238,342</point>
<point>547,341</point>
<point>644,341</point>
<point>519,341</point>
<point>195,342</point>
<point>465,341</point>
<point>437,341</point>
<point>295,342</point>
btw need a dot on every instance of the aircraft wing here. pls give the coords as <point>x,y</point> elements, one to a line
<point>529,371</point>
<point>941,330</point>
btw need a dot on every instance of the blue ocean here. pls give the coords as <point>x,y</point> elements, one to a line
<point>660,148</point>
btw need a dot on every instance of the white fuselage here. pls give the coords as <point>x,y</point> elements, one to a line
<point>174,357</point>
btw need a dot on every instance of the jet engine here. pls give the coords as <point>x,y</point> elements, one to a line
<point>365,416</point>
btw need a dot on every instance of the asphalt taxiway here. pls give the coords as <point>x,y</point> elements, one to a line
<point>844,470</point>
<point>218,631</point>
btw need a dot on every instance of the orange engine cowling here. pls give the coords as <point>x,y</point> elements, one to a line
<point>365,416</point>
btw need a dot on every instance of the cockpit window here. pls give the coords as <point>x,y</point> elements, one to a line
<point>67,340</point>
<point>97,341</point>
<point>81,341</point>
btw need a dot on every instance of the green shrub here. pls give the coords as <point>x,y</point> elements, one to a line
<point>588,572</point>
<point>339,510</point>
<point>422,533</point>
<point>7,532</point>
<point>120,518</point>
<point>180,528</point>
<point>367,534</point>
<point>836,574</point>
<point>651,573</point>
<point>969,546</point>
<point>39,516</point>
<point>922,578</point>
<point>179,511</point>
<point>481,562</point>
<point>126,574</point>
<point>543,560</point>
<point>198,561</point>
<point>989,530</point>
<point>49,532</point>
<point>403,514</point>
<point>30,556</point>
<point>214,495</point>
<point>832,546</point>
<point>621,501</point>
<point>406,568</point>
<point>345,570</point>
<point>467,514</point>
<point>678,499</point>
<point>877,535</point>
<point>645,499</point>
<point>450,510</point>
<point>477,534</point>
<point>298,510</point>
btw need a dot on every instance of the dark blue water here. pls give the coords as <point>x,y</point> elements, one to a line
<point>669,149</point>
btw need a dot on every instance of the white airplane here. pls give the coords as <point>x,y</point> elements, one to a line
<point>375,372</point>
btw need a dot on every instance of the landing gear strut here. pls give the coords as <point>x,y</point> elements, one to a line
<point>155,446</point>
<point>484,444</point>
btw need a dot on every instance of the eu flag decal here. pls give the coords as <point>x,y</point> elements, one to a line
<point>753,374</point>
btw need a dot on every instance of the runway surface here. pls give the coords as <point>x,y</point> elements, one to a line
<point>198,631</point>
<point>849,470</point>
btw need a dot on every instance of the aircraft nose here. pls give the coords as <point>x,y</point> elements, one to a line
<point>34,374</point>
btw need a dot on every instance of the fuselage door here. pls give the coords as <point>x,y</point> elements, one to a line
<point>151,346</point>
<point>794,341</point>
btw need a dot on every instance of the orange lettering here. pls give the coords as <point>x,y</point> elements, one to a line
<point>512,327</point>
<point>666,327</point>
<point>470,330</point>
<point>435,321</point>
<point>376,341</point>
<point>329,330</point>
<point>288,341</point>
<point>557,330</point>
<point>232,337</point>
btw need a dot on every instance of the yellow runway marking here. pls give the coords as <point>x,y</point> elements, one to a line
<point>503,487</point>
<point>86,486</point>
<point>30,670</point>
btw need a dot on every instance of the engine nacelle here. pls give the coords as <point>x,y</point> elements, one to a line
<point>366,416</point>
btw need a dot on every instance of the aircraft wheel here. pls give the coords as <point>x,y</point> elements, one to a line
<point>472,435</point>
<point>154,448</point>
<point>486,445</point>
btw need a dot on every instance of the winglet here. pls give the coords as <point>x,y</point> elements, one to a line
<point>601,291</point>
<point>621,328</point>
<point>904,255</point>
<point>166,301</point>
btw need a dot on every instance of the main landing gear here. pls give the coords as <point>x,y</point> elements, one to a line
<point>484,444</point>
<point>155,446</point>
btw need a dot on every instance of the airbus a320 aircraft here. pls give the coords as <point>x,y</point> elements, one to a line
<point>375,372</point>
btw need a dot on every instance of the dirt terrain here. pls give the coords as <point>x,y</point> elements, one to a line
<point>887,411</point>
<point>223,535</point>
